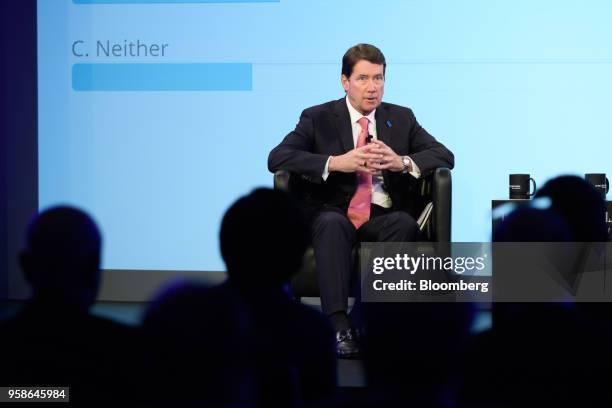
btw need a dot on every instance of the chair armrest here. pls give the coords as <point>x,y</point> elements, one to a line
<point>442,199</point>
<point>435,193</point>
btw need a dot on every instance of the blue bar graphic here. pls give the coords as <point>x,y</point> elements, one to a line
<point>168,1</point>
<point>163,77</point>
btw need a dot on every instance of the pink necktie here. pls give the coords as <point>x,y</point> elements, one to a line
<point>359,208</point>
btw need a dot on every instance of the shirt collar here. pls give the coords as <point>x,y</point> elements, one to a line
<point>355,115</point>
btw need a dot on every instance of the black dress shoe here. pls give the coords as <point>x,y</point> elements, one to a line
<point>347,343</point>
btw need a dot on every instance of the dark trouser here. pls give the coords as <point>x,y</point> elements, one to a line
<point>334,240</point>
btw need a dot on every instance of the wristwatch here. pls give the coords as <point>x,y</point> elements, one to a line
<point>406,161</point>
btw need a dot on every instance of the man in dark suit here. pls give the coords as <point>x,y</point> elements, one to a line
<point>360,158</point>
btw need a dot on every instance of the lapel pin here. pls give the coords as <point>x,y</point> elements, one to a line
<point>389,124</point>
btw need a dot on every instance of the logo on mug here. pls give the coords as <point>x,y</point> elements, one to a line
<point>599,181</point>
<point>520,186</point>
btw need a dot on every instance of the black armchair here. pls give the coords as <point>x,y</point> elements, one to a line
<point>434,200</point>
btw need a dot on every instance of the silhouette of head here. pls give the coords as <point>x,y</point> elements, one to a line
<point>263,239</point>
<point>582,207</point>
<point>61,259</point>
<point>532,225</point>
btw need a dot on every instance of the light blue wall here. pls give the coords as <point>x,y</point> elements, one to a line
<point>510,87</point>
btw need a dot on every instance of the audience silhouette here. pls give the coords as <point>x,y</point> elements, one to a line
<point>248,336</point>
<point>546,353</point>
<point>54,340</point>
<point>247,343</point>
<point>581,206</point>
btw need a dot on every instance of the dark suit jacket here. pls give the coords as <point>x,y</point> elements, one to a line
<point>325,130</point>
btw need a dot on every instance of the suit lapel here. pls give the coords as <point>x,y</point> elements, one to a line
<point>383,130</point>
<point>383,133</point>
<point>343,124</point>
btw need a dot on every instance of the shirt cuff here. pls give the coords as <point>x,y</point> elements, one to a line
<point>415,172</point>
<point>326,170</point>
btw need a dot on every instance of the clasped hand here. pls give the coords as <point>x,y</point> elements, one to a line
<point>370,158</point>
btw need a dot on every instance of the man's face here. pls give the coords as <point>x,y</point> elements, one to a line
<point>365,86</point>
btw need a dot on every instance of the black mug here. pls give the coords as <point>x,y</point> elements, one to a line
<point>519,186</point>
<point>599,181</point>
